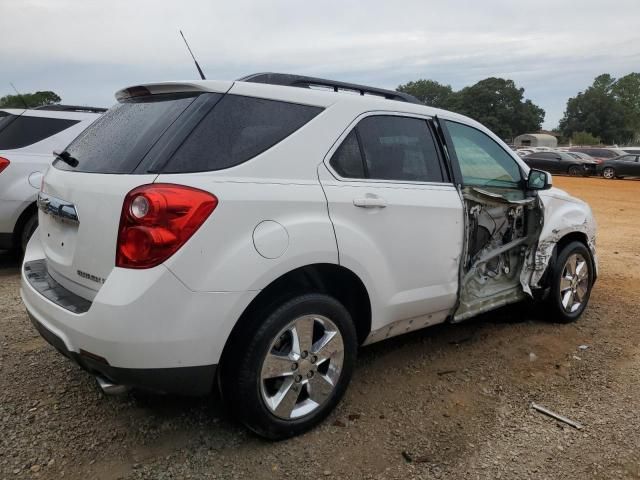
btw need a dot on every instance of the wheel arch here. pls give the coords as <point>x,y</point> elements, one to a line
<point>574,236</point>
<point>329,278</point>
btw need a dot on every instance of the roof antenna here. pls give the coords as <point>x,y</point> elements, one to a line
<point>193,56</point>
<point>20,96</point>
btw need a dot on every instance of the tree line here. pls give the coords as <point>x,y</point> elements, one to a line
<point>29,100</point>
<point>606,112</point>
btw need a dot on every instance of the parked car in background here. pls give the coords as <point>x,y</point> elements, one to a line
<point>249,235</point>
<point>581,155</point>
<point>599,154</point>
<point>523,152</point>
<point>622,166</point>
<point>635,150</point>
<point>561,162</point>
<point>27,139</point>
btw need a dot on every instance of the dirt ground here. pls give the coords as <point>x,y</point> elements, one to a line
<point>451,401</point>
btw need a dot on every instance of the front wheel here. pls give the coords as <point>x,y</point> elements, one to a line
<point>571,282</point>
<point>575,171</point>
<point>292,370</point>
<point>609,173</point>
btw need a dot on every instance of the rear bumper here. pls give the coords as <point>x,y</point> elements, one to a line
<point>143,329</point>
<point>182,380</point>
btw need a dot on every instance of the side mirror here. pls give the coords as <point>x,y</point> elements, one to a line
<point>539,180</point>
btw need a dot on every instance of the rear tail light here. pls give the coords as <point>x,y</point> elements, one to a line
<point>4,163</point>
<point>157,220</point>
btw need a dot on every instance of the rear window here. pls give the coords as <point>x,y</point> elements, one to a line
<point>22,131</point>
<point>119,140</point>
<point>237,129</point>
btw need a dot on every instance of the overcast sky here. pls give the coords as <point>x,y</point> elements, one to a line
<point>85,50</point>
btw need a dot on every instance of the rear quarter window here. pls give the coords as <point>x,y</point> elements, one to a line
<point>237,129</point>
<point>22,131</point>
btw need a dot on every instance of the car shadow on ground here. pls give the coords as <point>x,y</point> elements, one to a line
<point>210,410</point>
<point>9,261</point>
<point>443,338</point>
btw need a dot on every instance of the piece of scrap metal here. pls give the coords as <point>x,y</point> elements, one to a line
<point>555,415</point>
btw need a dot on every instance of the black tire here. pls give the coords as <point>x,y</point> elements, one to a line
<point>558,312</point>
<point>240,375</point>
<point>27,231</point>
<point>609,173</point>
<point>575,171</point>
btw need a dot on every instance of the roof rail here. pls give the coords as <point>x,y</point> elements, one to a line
<point>71,108</point>
<point>301,81</point>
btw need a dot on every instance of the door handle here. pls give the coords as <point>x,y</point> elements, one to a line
<point>370,202</point>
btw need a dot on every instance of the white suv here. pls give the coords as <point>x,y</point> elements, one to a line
<point>27,138</point>
<point>250,236</point>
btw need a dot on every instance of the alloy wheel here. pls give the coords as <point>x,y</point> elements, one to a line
<point>302,367</point>
<point>574,283</point>
<point>608,173</point>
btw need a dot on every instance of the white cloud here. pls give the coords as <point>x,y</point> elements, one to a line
<point>86,49</point>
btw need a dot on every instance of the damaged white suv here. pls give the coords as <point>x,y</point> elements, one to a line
<point>250,235</point>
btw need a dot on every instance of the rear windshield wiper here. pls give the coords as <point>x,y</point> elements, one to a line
<point>66,158</point>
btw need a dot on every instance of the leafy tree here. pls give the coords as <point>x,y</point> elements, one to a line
<point>33,100</point>
<point>627,91</point>
<point>500,105</point>
<point>600,112</point>
<point>429,92</point>
<point>495,102</point>
<point>584,138</point>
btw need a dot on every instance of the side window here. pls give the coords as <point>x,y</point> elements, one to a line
<point>24,130</point>
<point>399,148</point>
<point>482,161</point>
<point>347,160</point>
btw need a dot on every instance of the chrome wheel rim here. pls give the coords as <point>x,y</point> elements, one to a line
<point>302,367</point>
<point>574,283</point>
<point>608,173</point>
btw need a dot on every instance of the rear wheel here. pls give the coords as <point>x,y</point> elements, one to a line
<point>27,231</point>
<point>571,282</point>
<point>575,171</point>
<point>292,367</point>
<point>609,173</point>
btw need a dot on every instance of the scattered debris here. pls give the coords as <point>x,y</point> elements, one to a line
<point>557,416</point>
<point>410,458</point>
<point>532,357</point>
<point>583,347</point>
<point>353,416</point>
<point>339,423</point>
<point>575,357</point>
<point>445,372</point>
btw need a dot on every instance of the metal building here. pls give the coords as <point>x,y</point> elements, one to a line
<point>536,140</point>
